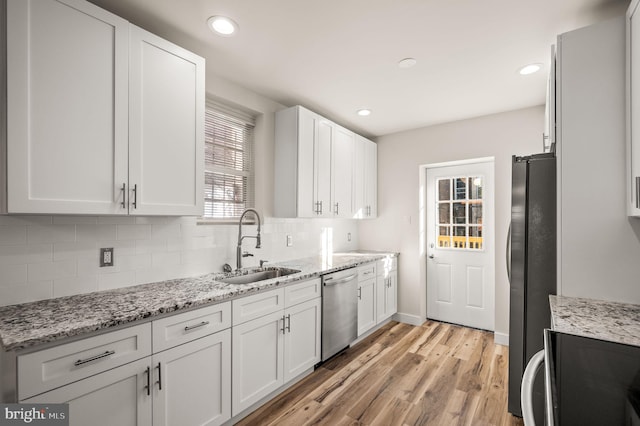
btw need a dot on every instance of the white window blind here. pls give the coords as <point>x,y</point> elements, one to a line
<point>229,176</point>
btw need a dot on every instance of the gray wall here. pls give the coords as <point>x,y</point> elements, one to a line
<point>397,226</point>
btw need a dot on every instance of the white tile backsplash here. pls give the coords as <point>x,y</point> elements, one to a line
<point>53,256</point>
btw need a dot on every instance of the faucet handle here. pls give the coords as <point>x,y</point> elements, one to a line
<point>247,254</point>
<point>262,262</point>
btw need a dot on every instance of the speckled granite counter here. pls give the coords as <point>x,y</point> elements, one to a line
<point>598,319</point>
<point>30,324</point>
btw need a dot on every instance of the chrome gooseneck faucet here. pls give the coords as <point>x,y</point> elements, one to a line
<point>239,254</point>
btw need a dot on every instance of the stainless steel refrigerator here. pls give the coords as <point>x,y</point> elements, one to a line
<point>531,265</point>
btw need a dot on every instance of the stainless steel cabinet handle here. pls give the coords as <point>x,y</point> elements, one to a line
<point>159,382</point>
<point>283,327</point>
<point>337,209</point>
<point>93,358</point>
<point>289,323</point>
<point>124,196</point>
<point>192,327</point>
<point>638,192</point>
<point>359,293</point>
<point>148,386</point>
<point>340,281</point>
<point>135,196</point>
<point>320,207</point>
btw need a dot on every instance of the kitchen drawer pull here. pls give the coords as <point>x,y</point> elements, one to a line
<point>289,323</point>
<point>638,192</point>
<point>148,386</point>
<point>359,293</point>
<point>369,272</point>
<point>337,209</point>
<point>93,358</point>
<point>283,327</point>
<point>192,327</point>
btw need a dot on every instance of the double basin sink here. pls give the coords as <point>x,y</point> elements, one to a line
<point>252,276</point>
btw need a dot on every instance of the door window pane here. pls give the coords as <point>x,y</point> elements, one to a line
<point>444,213</point>
<point>461,188</point>
<point>444,189</point>
<point>459,205</point>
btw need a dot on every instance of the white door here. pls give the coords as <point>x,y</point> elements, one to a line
<point>115,397</point>
<point>166,127</point>
<point>196,382</point>
<point>67,121</point>
<point>460,244</point>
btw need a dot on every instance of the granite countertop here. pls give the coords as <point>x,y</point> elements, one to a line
<point>598,319</point>
<point>30,324</point>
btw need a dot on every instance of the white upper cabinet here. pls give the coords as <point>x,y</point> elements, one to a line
<point>166,127</point>
<point>314,166</point>
<point>341,178</point>
<point>67,96</point>
<point>365,178</point>
<point>102,117</point>
<point>633,109</point>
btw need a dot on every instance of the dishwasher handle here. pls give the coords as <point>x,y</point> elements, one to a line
<point>329,281</point>
<point>526,390</point>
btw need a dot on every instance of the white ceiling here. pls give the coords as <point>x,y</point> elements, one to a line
<point>336,56</point>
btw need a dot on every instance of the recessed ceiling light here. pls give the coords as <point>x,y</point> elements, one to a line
<point>222,25</point>
<point>364,112</point>
<point>530,69</point>
<point>407,63</point>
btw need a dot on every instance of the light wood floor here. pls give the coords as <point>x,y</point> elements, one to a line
<point>435,374</point>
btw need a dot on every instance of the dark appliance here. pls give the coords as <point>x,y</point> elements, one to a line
<point>531,266</point>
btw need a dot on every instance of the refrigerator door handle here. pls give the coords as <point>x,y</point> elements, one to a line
<point>509,253</point>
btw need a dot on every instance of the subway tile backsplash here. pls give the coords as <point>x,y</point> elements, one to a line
<point>53,256</point>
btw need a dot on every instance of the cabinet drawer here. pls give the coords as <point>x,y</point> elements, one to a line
<point>386,265</point>
<point>50,368</point>
<point>302,292</point>
<point>263,303</point>
<point>178,329</point>
<point>367,271</point>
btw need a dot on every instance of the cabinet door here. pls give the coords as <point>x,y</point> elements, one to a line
<point>366,305</point>
<point>371,179</point>
<point>257,368</point>
<point>195,382</point>
<point>306,191</point>
<point>358,203</point>
<point>115,397</point>
<point>322,168</point>
<point>342,172</point>
<point>386,294</point>
<point>166,131</point>
<point>67,89</point>
<point>633,108</point>
<point>302,338</point>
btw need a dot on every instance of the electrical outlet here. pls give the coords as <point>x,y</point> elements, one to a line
<point>106,257</point>
<point>289,240</point>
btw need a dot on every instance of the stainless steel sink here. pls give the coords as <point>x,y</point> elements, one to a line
<point>259,275</point>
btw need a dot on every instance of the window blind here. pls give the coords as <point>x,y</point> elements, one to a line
<point>229,175</point>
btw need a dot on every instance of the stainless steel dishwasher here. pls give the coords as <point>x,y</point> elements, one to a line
<point>339,311</point>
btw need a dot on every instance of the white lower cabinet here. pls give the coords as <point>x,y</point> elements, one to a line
<point>366,305</point>
<point>192,382</point>
<point>271,350</point>
<point>115,397</point>
<point>386,293</point>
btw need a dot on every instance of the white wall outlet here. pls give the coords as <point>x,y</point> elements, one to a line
<point>289,240</point>
<point>106,257</point>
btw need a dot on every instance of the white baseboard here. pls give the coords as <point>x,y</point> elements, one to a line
<point>408,319</point>
<point>501,338</point>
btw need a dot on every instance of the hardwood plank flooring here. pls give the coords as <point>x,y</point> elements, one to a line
<point>435,374</point>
